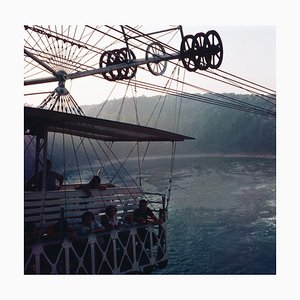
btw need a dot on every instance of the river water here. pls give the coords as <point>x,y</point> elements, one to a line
<point>222,215</point>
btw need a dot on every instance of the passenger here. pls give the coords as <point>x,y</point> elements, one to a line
<point>89,224</point>
<point>129,220</point>
<point>143,214</point>
<point>54,180</point>
<point>95,183</point>
<point>60,230</point>
<point>109,220</point>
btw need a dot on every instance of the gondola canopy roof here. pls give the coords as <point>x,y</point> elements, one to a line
<point>37,120</point>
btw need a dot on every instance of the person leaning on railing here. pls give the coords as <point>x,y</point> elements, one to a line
<point>144,215</point>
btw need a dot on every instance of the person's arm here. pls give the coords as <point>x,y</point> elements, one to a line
<point>60,179</point>
<point>85,188</point>
<point>102,186</point>
<point>98,227</point>
<point>72,233</point>
<point>153,217</point>
<point>105,223</point>
<point>137,218</point>
<point>84,230</point>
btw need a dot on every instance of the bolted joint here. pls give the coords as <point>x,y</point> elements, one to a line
<point>62,76</point>
<point>61,90</point>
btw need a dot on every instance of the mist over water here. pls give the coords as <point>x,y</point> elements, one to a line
<point>222,215</point>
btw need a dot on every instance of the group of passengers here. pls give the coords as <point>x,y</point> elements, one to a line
<point>142,215</point>
<point>109,221</point>
<point>89,224</point>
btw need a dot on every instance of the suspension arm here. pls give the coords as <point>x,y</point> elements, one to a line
<point>32,56</point>
<point>131,63</point>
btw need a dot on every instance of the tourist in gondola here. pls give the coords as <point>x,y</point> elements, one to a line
<point>89,224</point>
<point>128,220</point>
<point>109,220</point>
<point>143,214</point>
<point>54,180</point>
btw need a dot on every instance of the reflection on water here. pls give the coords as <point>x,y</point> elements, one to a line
<point>222,215</point>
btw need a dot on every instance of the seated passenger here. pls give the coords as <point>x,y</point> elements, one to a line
<point>129,220</point>
<point>89,224</point>
<point>109,220</point>
<point>144,214</point>
<point>54,180</point>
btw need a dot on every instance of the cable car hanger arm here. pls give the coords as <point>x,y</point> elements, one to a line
<point>131,63</point>
<point>32,56</point>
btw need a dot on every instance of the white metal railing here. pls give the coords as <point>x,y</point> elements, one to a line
<point>132,249</point>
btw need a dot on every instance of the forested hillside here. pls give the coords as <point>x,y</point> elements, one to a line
<point>215,129</point>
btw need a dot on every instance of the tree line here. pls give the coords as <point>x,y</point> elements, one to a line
<point>215,129</point>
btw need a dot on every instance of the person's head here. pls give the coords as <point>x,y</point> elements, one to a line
<point>111,210</point>
<point>143,204</point>
<point>87,217</point>
<point>95,181</point>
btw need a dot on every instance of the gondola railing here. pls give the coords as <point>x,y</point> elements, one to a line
<point>132,248</point>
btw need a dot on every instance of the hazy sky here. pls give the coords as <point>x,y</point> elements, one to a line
<point>249,52</point>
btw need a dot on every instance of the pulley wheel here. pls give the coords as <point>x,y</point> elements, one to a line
<point>215,49</point>
<point>200,44</point>
<point>130,71</point>
<point>188,53</point>
<point>116,57</point>
<point>108,58</point>
<point>156,50</point>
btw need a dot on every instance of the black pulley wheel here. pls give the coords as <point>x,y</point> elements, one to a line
<point>188,53</point>
<point>215,49</point>
<point>108,58</point>
<point>131,71</point>
<point>200,45</point>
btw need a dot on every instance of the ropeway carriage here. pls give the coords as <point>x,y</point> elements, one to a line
<point>132,248</point>
<point>124,250</point>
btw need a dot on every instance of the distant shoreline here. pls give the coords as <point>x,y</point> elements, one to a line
<point>250,155</point>
<point>271,156</point>
<point>187,156</point>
